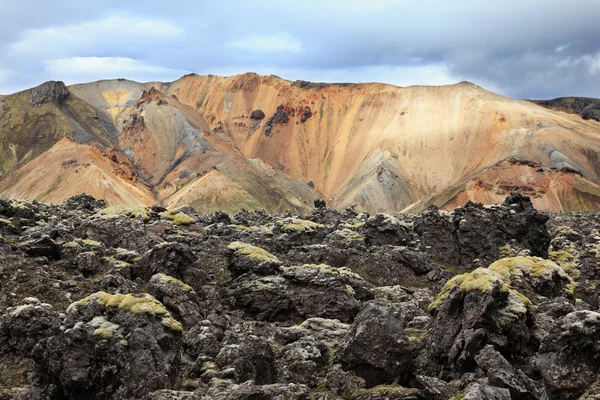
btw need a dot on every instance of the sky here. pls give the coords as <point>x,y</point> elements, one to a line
<point>527,48</point>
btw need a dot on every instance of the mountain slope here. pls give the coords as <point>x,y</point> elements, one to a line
<point>585,107</point>
<point>251,141</point>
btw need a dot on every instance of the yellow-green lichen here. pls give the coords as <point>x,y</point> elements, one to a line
<point>92,243</point>
<point>533,266</point>
<point>242,228</point>
<point>104,333</point>
<point>132,212</point>
<point>500,274</point>
<point>299,225</point>
<point>481,279</point>
<point>253,252</point>
<point>349,236</point>
<point>6,222</point>
<point>178,217</point>
<point>135,304</point>
<point>567,261</point>
<point>353,226</point>
<point>166,278</point>
<point>505,251</point>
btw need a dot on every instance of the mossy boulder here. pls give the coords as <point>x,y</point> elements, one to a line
<point>173,259</point>
<point>475,309</point>
<point>111,346</point>
<point>244,257</point>
<point>300,292</point>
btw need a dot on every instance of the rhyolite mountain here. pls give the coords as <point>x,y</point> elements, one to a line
<point>261,142</point>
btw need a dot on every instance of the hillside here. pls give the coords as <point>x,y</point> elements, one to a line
<point>251,141</point>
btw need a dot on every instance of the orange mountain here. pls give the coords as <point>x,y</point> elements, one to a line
<point>256,142</point>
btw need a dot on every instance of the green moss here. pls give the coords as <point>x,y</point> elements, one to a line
<point>92,243</point>
<point>104,333</point>
<point>350,236</point>
<point>178,217</point>
<point>457,396</point>
<point>481,279</point>
<point>166,278</point>
<point>143,304</point>
<point>534,266</point>
<point>131,212</point>
<point>505,251</point>
<point>7,223</point>
<point>354,226</point>
<point>242,228</point>
<point>567,261</point>
<point>253,252</point>
<point>299,225</point>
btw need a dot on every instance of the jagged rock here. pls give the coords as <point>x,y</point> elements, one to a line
<point>48,92</point>
<point>23,326</point>
<point>84,202</point>
<point>319,203</point>
<point>477,232</point>
<point>473,310</point>
<point>253,360</point>
<point>172,395</point>
<point>258,115</point>
<point>179,298</point>
<point>376,347</point>
<point>173,259</point>
<point>434,388</point>
<point>111,347</point>
<point>384,229</point>
<point>482,391</point>
<point>245,258</point>
<point>501,374</point>
<point>301,292</point>
<point>249,391</point>
<point>41,247</point>
<point>569,358</point>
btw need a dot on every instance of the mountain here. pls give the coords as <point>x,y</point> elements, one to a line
<point>251,141</point>
<point>586,107</point>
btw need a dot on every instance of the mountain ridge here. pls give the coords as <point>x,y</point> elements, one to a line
<point>375,146</point>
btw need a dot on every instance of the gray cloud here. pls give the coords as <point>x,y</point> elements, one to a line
<point>531,49</point>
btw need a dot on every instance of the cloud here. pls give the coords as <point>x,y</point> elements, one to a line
<point>532,49</point>
<point>84,69</point>
<point>99,36</point>
<point>279,42</point>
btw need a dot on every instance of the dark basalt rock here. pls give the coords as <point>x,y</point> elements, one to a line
<point>569,358</point>
<point>41,247</point>
<point>112,347</point>
<point>475,232</point>
<point>48,92</point>
<point>258,115</point>
<point>376,347</point>
<point>330,305</point>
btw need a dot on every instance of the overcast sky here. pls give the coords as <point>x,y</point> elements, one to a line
<point>520,48</point>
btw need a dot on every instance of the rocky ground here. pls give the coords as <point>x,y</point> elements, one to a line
<point>494,302</point>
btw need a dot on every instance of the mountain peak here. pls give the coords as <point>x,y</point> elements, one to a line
<point>48,92</point>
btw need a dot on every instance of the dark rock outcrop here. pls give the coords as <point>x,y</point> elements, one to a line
<point>376,347</point>
<point>569,358</point>
<point>48,92</point>
<point>475,232</point>
<point>111,347</point>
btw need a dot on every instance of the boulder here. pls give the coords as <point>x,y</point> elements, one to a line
<point>479,232</point>
<point>300,292</point>
<point>376,347</point>
<point>473,310</point>
<point>569,358</point>
<point>110,347</point>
